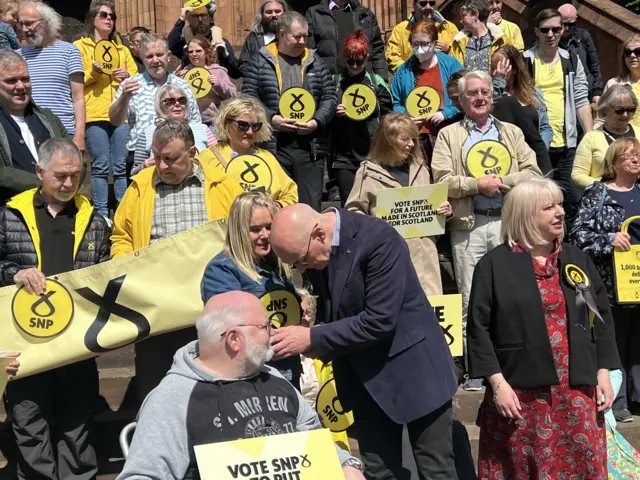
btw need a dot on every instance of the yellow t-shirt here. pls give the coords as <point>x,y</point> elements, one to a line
<point>550,80</point>
<point>636,118</point>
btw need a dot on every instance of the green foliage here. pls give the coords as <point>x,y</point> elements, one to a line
<point>633,5</point>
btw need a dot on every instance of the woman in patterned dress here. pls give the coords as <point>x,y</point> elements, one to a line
<point>539,329</point>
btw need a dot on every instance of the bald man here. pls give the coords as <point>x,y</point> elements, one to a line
<point>391,363</point>
<point>217,391</point>
<point>579,41</point>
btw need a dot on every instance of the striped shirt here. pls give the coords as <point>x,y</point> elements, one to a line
<point>142,106</point>
<point>50,69</point>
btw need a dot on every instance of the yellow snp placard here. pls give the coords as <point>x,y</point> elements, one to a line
<point>283,308</point>
<point>489,157</point>
<point>626,268</point>
<point>297,104</point>
<point>328,406</point>
<point>448,310</point>
<point>359,101</point>
<point>97,309</point>
<point>106,54</point>
<point>412,210</point>
<point>423,102</point>
<point>198,80</point>
<point>307,455</point>
<point>196,3</point>
<point>251,172</point>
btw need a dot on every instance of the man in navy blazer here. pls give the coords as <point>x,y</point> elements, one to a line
<point>390,360</point>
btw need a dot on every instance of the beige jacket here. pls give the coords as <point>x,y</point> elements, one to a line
<point>370,178</point>
<point>448,166</point>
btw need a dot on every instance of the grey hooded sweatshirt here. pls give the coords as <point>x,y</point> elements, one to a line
<point>192,406</point>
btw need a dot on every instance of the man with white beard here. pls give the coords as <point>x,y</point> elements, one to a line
<point>218,390</point>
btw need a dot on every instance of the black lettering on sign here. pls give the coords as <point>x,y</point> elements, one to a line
<point>357,97</point>
<point>106,55</point>
<point>296,100</point>
<point>447,334</point>
<point>251,169</point>
<point>488,160</point>
<point>108,307</point>
<point>197,84</point>
<point>44,299</point>
<point>423,97</point>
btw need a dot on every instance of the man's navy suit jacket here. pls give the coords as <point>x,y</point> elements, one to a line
<point>377,326</point>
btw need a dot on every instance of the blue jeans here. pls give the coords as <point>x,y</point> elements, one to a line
<point>106,144</point>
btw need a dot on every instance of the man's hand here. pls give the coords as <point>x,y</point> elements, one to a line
<point>445,209</point>
<point>495,18</point>
<point>32,279</point>
<point>340,110</point>
<point>289,341</point>
<point>281,124</point>
<point>130,89</point>
<point>306,128</point>
<point>96,67</point>
<point>12,368</point>
<point>436,119</point>
<point>351,473</point>
<point>120,74</point>
<point>489,186</point>
<point>442,46</point>
<point>78,139</point>
<point>184,11</point>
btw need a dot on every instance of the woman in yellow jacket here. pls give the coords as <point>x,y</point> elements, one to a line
<point>106,143</point>
<point>240,124</point>
<point>616,107</point>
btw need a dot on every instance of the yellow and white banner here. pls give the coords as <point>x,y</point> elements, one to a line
<point>88,312</point>
<point>301,456</point>
<point>626,268</point>
<point>448,310</point>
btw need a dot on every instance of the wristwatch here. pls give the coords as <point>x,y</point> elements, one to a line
<point>355,463</point>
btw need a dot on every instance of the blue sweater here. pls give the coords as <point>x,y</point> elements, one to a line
<point>404,81</point>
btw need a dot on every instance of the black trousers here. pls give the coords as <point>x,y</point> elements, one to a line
<point>627,326</point>
<point>380,442</point>
<point>306,170</point>
<point>346,178</point>
<point>51,420</point>
<point>562,163</point>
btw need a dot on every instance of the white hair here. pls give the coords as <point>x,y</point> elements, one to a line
<point>60,146</point>
<point>211,325</point>
<point>150,38</point>
<point>473,74</point>
<point>162,91</point>
<point>51,18</point>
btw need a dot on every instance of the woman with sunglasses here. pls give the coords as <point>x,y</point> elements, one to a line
<point>349,150</point>
<point>426,67</point>
<point>629,71</point>
<point>105,142</point>
<point>247,263</point>
<point>200,54</point>
<point>616,107</point>
<point>171,104</point>
<point>241,124</point>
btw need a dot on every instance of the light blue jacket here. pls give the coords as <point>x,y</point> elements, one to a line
<point>404,81</point>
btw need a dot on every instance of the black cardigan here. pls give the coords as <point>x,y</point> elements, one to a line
<point>506,331</point>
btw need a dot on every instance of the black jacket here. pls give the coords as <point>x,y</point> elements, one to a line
<point>323,35</point>
<point>177,44</point>
<point>261,82</point>
<point>18,252</point>
<point>506,330</point>
<point>252,45</point>
<point>581,44</point>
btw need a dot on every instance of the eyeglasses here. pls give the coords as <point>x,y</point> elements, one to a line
<point>478,93</point>
<point>635,51</point>
<point>622,111</point>
<point>423,44</point>
<point>546,30</point>
<point>244,126</point>
<point>355,63</point>
<point>625,157</point>
<point>103,15</point>
<point>569,24</point>
<point>200,16</point>
<point>264,326</point>
<point>134,42</point>
<point>171,101</point>
<point>172,123</point>
<point>424,3</point>
<point>28,23</point>
<point>305,260</point>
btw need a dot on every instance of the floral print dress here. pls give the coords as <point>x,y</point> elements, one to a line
<point>561,435</point>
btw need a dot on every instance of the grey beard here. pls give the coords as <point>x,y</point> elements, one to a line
<point>35,39</point>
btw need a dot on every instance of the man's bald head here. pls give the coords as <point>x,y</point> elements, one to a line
<point>569,18</point>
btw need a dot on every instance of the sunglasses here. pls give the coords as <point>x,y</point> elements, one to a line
<point>621,111</point>
<point>546,30</point>
<point>355,63</point>
<point>635,51</point>
<point>104,15</point>
<point>170,102</point>
<point>424,3</point>
<point>244,126</point>
<point>569,24</point>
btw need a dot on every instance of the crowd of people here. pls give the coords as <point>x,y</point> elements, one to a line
<point>531,246</point>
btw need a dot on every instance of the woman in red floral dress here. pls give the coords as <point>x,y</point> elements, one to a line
<point>540,331</point>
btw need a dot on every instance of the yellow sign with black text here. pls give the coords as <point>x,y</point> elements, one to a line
<point>626,268</point>
<point>328,406</point>
<point>359,101</point>
<point>448,309</point>
<point>196,3</point>
<point>488,157</point>
<point>423,102</point>
<point>97,309</point>
<point>106,54</point>
<point>198,80</point>
<point>297,104</point>
<point>283,308</point>
<point>309,455</point>
<point>412,211</point>
<point>251,172</point>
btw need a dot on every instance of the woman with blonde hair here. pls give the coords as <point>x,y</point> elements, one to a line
<point>248,263</point>
<point>605,205</point>
<point>539,329</point>
<point>629,71</point>
<point>240,125</point>
<point>395,160</point>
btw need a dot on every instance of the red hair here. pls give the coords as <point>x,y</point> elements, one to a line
<point>425,26</point>
<point>210,56</point>
<point>356,46</point>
